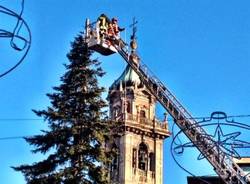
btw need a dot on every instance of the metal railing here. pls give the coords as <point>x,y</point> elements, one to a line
<point>145,121</point>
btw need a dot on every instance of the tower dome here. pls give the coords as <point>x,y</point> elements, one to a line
<point>128,78</point>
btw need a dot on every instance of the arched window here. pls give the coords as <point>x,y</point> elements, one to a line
<point>116,112</point>
<point>143,156</point>
<point>129,109</point>
<point>142,114</point>
<point>151,161</point>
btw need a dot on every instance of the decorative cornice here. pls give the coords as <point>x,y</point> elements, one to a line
<point>149,132</point>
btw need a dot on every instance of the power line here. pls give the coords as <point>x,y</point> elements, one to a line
<point>12,138</point>
<point>169,119</point>
<point>21,119</point>
<point>37,119</point>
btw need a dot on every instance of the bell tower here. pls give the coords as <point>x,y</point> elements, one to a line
<point>140,141</point>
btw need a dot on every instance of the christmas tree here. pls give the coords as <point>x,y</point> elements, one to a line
<point>78,127</point>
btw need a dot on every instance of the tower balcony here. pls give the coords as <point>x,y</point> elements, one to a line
<point>143,125</point>
<point>146,122</point>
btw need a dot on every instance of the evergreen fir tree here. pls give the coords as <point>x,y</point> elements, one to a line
<point>78,127</point>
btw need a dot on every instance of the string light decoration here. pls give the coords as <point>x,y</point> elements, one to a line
<point>18,36</point>
<point>224,134</point>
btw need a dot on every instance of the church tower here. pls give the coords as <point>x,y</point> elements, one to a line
<point>140,141</point>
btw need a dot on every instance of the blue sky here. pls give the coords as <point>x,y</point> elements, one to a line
<point>199,49</point>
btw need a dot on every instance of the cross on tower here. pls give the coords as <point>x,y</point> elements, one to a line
<point>134,28</point>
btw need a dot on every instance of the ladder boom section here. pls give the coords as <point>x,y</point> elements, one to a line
<point>224,165</point>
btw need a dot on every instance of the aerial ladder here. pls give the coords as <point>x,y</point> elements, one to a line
<point>223,164</point>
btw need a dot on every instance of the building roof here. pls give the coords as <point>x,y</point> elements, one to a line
<point>204,180</point>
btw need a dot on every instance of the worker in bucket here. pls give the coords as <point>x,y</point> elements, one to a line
<point>115,28</point>
<point>114,33</point>
<point>103,25</point>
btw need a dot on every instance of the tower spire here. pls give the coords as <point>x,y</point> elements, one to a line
<point>134,28</point>
<point>133,43</point>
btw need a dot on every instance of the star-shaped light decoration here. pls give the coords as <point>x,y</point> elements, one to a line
<point>225,144</point>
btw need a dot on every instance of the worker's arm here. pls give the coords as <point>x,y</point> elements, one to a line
<point>121,29</point>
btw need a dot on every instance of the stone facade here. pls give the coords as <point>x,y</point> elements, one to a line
<point>141,135</point>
